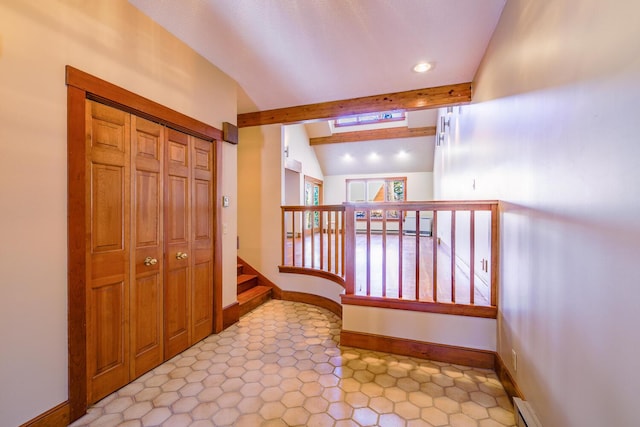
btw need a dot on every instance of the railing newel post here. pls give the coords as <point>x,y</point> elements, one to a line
<point>350,249</point>
<point>453,255</point>
<point>472,256</point>
<point>417,255</point>
<point>434,237</point>
<point>495,252</point>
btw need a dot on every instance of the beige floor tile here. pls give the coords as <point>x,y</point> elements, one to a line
<point>281,365</point>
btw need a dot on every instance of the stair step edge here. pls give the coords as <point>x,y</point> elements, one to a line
<point>243,278</point>
<point>256,291</point>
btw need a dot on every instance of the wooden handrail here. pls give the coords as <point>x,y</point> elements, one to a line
<point>467,205</point>
<point>317,208</point>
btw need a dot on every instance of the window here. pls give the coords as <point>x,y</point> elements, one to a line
<point>372,190</point>
<point>312,197</point>
<point>370,118</point>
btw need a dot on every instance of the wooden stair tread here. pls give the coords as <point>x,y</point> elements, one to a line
<point>255,292</point>
<point>243,278</point>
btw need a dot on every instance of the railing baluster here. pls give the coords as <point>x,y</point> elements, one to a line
<point>453,255</point>
<point>434,238</point>
<point>369,252</point>
<point>284,238</point>
<point>349,259</point>
<point>313,239</point>
<point>343,232</point>
<point>339,269</point>
<point>293,236</point>
<point>303,241</point>
<point>417,255</point>
<point>384,253</point>
<point>329,241</point>
<point>400,257</point>
<point>321,240</point>
<point>472,256</point>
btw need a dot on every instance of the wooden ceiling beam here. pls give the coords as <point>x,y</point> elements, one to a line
<point>419,99</point>
<point>374,134</point>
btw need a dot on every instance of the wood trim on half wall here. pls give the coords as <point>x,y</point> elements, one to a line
<point>82,86</point>
<point>312,299</point>
<point>230,315</point>
<point>423,350</point>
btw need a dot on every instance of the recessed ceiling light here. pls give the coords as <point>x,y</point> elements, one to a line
<point>422,67</point>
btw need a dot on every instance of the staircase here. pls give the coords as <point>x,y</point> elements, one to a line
<point>250,293</point>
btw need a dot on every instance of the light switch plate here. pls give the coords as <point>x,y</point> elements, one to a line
<point>225,201</point>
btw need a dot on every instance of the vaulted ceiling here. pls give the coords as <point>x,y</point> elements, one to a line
<point>286,53</point>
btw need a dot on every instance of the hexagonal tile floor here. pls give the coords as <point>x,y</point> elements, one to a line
<point>281,365</point>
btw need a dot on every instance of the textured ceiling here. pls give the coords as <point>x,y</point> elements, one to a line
<point>285,53</point>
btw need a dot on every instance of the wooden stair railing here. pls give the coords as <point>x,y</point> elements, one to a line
<point>313,241</point>
<point>436,256</point>
<point>445,259</point>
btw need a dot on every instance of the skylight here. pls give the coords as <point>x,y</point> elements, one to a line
<point>370,118</point>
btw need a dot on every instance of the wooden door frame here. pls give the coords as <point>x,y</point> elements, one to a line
<point>313,181</point>
<point>82,86</point>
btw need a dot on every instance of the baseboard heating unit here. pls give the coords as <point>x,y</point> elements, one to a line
<point>525,417</point>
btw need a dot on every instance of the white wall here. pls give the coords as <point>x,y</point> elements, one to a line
<point>419,186</point>
<point>113,41</point>
<point>461,331</point>
<point>553,132</point>
<point>260,194</point>
<point>297,140</point>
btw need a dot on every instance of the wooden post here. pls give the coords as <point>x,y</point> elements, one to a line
<point>434,238</point>
<point>384,253</point>
<point>495,253</point>
<point>453,256</point>
<point>368,251</point>
<point>417,255</point>
<point>284,234</point>
<point>349,263</point>
<point>472,256</point>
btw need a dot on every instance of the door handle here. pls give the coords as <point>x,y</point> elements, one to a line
<point>181,255</point>
<point>150,261</point>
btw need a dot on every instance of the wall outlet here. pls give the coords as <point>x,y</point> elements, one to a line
<point>514,360</point>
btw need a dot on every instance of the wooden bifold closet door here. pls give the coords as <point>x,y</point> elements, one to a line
<point>150,249</point>
<point>189,242</point>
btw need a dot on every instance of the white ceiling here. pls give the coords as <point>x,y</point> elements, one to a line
<point>392,156</point>
<point>286,53</point>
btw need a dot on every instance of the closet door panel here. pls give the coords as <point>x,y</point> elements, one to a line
<point>177,286</point>
<point>108,253</point>
<point>202,313</point>
<point>147,343</point>
<point>107,337</point>
<point>202,244</point>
